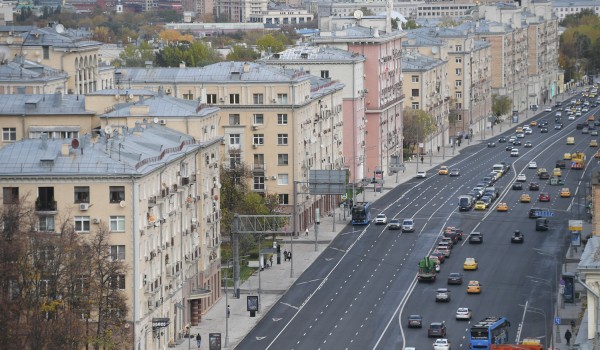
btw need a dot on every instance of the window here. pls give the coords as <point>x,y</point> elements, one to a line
<point>117,194</point>
<point>117,223</point>
<point>258,139</point>
<point>282,119</point>
<point>235,159</point>
<point>284,198</point>
<point>258,99</point>
<point>46,50</point>
<point>258,119</point>
<point>415,93</point>
<point>458,47</point>
<point>458,105</point>
<point>234,99</point>
<point>459,117</point>
<point>82,194</point>
<point>458,71</point>
<point>46,223</point>
<point>282,98</point>
<point>10,195</point>
<point>82,224</point>
<point>458,94</point>
<point>282,139</point>
<point>188,96</point>
<point>234,139</point>
<point>282,179</point>
<point>234,119</point>
<point>9,134</point>
<point>117,281</point>
<point>458,83</point>
<point>415,105</point>
<point>211,99</point>
<point>117,252</point>
<point>259,183</point>
<point>325,74</point>
<point>282,159</point>
<point>415,78</point>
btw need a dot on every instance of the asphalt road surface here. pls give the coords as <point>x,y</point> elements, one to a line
<point>360,291</point>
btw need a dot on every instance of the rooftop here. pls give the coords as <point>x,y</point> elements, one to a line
<point>46,104</point>
<point>161,106</point>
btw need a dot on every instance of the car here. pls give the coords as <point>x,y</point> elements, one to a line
<point>380,219</point>
<point>436,329</point>
<point>534,186</point>
<point>480,205</point>
<point>514,152</point>
<point>556,172</point>
<point>474,287</point>
<point>544,197</point>
<point>533,123</point>
<point>502,207</point>
<point>441,257</point>
<point>544,130</point>
<point>542,224</point>
<point>475,237</point>
<point>517,186</point>
<point>585,130</point>
<point>544,175</point>
<point>594,133</point>
<point>394,224</point>
<point>517,237</point>
<point>415,321</point>
<point>442,295</point>
<point>528,144</point>
<point>444,248</point>
<point>470,264</point>
<point>509,148</point>
<point>421,174</point>
<point>520,135</point>
<point>502,139</point>
<point>464,313</point>
<point>454,172</point>
<point>561,164</point>
<point>491,144</point>
<point>525,198</point>
<point>487,200</point>
<point>443,170</point>
<point>565,192</point>
<point>571,117</point>
<point>558,127</point>
<point>452,231</point>
<point>516,143</point>
<point>548,109</point>
<point>597,155</point>
<point>455,278</point>
<point>408,225</point>
<point>447,240</point>
<point>532,165</point>
<point>522,178</point>
<point>528,131</point>
<point>594,143</point>
<point>567,156</point>
<point>440,344</point>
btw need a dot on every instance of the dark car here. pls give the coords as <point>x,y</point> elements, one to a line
<point>454,233</point>
<point>507,166</point>
<point>561,164</point>
<point>509,148</point>
<point>544,130</point>
<point>441,256</point>
<point>516,143</point>
<point>475,237</point>
<point>517,237</point>
<point>437,329</point>
<point>517,186</point>
<point>542,224</point>
<point>455,278</point>
<point>502,139</point>
<point>491,144</point>
<point>534,186</point>
<point>544,175</point>
<point>415,321</point>
<point>394,224</point>
<point>579,126</point>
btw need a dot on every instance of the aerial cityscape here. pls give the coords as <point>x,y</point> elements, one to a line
<point>299,175</point>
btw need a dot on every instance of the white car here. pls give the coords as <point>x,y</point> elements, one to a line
<point>380,219</point>
<point>548,109</point>
<point>514,152</point>
<point>520,135</point>
<point>528,131</point>
<point>441,344</point>
<point>421,174</point>
<point>532,165</point>
<point>522,178</point>
<point>571,117</point>
<point>463,313</point>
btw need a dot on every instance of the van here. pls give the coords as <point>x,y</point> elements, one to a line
<point>465,203</point>
<point>570,140</point>
<point>499,168</point>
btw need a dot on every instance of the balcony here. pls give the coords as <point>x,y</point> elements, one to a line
<point>45,205</point>
<point>259,168</point>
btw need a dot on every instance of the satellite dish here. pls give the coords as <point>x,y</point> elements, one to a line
<point>358,14</point>
<point>122,204</point>
<point>155,120</point>
<point>75,143</point>
<point>59,28</point>
<point>434,49</point>
<point>108,130</point>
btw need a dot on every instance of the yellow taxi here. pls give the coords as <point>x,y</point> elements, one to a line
<point>565,192</point>
<point>480,205</point>
<point>474,287</point>
<point>591,118</point>
<point>502,207</point>
<point>594,143</point>
<point>443,170</point>
<point>525,198</point>
<point>570,140</point>
<point>470,264</point>
<point>556,172</point>
<point>567,156</point>
<point>533,123</point>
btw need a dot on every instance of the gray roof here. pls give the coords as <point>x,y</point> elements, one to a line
<point>483,27</point>
<point>113,92</point>
<point>574,3</point>
<point>49,36</point>
<point>413,61</point>
<point>164,107</point>
<point>47,104</point>
<point>20,70</point>
<point>140,151</point>
<point>315,54</point>
<point>590,258</point>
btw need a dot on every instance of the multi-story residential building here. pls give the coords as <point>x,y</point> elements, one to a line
<point>334,64</point>
<point>281,122</point>
<point>279,15</point>
<point>382,96</point>
<point>239,11</point>
<point>6,14</point>
<point>563,8</point>
<point>155,190</point>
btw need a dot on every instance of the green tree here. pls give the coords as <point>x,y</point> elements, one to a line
<point>240,53</point>
<point>410,24</point>
<point>501,105</point>
<point>196,54</point>
<point>269,43</point>
<point>418,125</point>
<point>133,56</point>
<point>367,11</point>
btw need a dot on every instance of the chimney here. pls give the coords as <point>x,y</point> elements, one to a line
<point>64,150</point>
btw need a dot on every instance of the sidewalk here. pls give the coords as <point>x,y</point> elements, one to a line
<point>274,281</point>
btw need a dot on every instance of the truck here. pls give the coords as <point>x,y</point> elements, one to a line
<point>578,160</point>
<point>427,271</point>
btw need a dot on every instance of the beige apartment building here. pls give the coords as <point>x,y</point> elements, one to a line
<point>282,123</point>
<point>156,190</point>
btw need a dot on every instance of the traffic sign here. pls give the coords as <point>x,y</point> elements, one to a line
<point>545,214</point>
<point>557,320</point>
<point>575,225</point>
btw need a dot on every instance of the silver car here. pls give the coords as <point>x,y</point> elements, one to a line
<point>408,225</point>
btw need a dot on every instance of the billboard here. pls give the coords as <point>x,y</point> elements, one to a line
<point>327,182</point>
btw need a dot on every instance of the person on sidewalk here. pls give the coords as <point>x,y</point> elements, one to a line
<point>568,336</point>
<point>306,232</point>
<point>290,256</point>
<point>285,255</point>
<point>198,340</point>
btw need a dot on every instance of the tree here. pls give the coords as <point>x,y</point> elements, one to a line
<point>133,56</point>
<point>367,11</point>
<point>501,105</point>
<point>269,43</point>
<point>417,126</point>
<point>196,54</point>
<point>410,24</point>
<point>240,53</point>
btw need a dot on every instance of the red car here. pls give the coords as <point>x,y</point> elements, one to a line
<point>544,197</point>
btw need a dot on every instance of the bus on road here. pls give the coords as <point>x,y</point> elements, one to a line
<point>361,213</point>
<point>487,332</point>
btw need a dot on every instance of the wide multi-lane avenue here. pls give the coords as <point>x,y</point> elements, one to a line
<point>360,291</point>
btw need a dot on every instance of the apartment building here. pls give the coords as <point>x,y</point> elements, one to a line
<point>407,9</point>
<point>145,185</point>
<point>280,122</point>
<point>281,15</point>
<point>563,8</point>
<point>21,76</point>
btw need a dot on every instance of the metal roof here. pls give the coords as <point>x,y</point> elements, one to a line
<point>314,54</point>
<point>46,104</point>
<point>162,106</point>
<point>413,61</point>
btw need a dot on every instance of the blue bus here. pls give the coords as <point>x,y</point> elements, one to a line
<point>489,331</point>
<point>361,213</point>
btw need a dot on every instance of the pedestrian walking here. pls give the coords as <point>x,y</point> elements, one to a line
<point>306,232</point>
<point>290,256</point>
<point>198,340</point>
<point>228,311</point>
<point>285,255</point>
<point>271,260</point>
<point>422,159</point>
<point>438,149</point>
<point>568,336</point>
